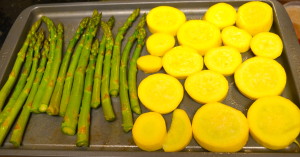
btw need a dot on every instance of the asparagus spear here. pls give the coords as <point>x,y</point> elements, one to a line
<point>54,70</point>
<point>69,77</point>
<point>20,126</point>
<point>98,71</point>
<point>71,117</point>
<point>25,72</point>
<point>21,82</point>
<point>7,123</point>
<point>6,89</point>
<point>124,97</point>
<point>108,111</point>
<point>84,117</point>
<point>115,61</point>
<point>53,108</point>
<point>42,87</point>
<point>70,74</point>
<point>134,102</point>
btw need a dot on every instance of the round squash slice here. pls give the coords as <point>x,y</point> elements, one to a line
<point>182,61</point>
<point>206,86</point>
<point>149,63</point>
<point>149,131</point>
<point>159,43</point>
<point>165,19</point>
<point>200,35</point>
<point>224,59</point>
<point>180,133</point>
<point>266,44</point>
<point>274,122</point>
<point>259,77</point>
<point>220,128</point>
<point>221,14</point>
<point>255,17</point>
<point>237,38</point>
<point>160,93</point>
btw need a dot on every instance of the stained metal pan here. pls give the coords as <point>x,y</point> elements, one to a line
<point>43,136</point>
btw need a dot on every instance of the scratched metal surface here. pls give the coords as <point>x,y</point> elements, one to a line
<point>43,135</point>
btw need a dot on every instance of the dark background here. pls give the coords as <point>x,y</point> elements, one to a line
<point>10,9</point>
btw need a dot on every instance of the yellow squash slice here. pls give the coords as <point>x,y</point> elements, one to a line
<point>149,131</point>
<point>236,37</point>
<point>159,43</point>
<point>221,14</point>
<point>224,59</point>
<point>149,63</point>
<point>200,35</point>
<point>206,86</point>
<point>182,61</point>
<point>274,122</point>
<point>160,93</point>
<point>266,44</point>
<point>220,128</point>
<point>259,77</point>
<point>165,19</point>
<point>180,133</point>
<point>255,17</point>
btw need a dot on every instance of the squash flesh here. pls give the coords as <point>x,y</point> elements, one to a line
<point>274,122</point>
<point>149,131</point>
<point>180,133</point>
<point>160,93</point>
<point>220,128</point>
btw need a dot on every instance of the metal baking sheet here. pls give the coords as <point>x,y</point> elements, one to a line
<point>43,136</point>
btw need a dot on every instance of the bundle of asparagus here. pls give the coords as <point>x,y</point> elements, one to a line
<point>14,109</point>
<point>18,131</point>
<point>6,89</point>
<point>99,65</point>
<point>55,101</point>
<point>71,116</point>
<point>72,84</point>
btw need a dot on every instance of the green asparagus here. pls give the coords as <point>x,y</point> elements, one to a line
<point>69,77</point>
<point>54,70</point>
<point>70,74</point>
<point>84,117</point>
<point>53,108</point>
<point>134,102</point>
<point>42,87</point>
<point>7,123</point>
<point>21,82</point>
<point>124,97</point>
<point>98,70</point>
<point>115,61</point>
<point>71,117</point>
<point>6,89</point>
<point>108,111</point>
<point>20,126</point>
<point>23,78</point>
